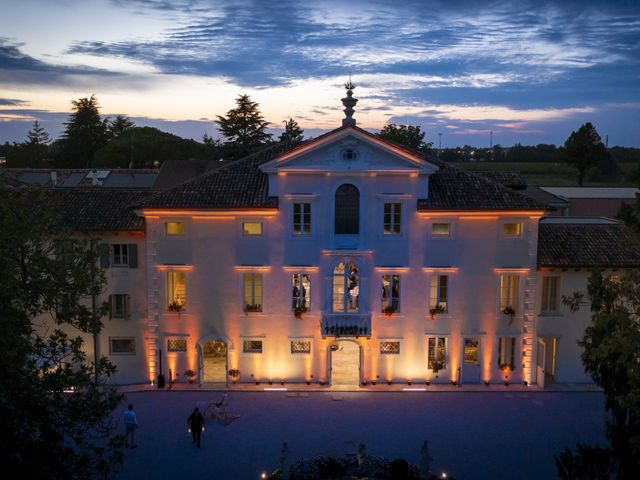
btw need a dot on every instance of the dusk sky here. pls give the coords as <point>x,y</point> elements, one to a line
<point>531,72</point>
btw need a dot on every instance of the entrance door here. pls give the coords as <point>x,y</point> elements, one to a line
<point>345,364</point>
<point>541,362</point>
<point>471,370</point>
<point>214,361</point>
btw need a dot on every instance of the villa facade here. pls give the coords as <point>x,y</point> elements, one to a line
<point>344,260</point>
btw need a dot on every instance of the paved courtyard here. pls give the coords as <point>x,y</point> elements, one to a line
<point>472,435</point>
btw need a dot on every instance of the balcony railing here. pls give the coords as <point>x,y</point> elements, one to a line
<point>346,325</point>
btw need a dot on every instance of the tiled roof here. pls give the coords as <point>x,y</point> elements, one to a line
<point>451,188</point>
<point>81,177</point>
<point>243,185</point>
<point>238,185</point>
<point>95,209</point>
<point>575,245</point>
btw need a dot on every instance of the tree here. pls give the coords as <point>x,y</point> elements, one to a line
<point>292,132</point>
<point>244,126</point>
<point>55,418</point>
<point>408,135</point>
<point>85,133</point>
<point>37,135</point>
<point>611,355</point>
<point>584,149</point>
<point>120,125</point>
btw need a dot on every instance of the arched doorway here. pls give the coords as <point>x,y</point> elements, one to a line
<point>345,363</point>
<point>214,361</point>
<point>347,210</point>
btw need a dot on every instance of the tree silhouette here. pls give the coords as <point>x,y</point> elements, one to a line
<point>292,132</point>
<point>85,133</point>
<point>37,135</point>
<point>244,126</point>
<point>408,135</point>
<point>119,125</point>
<point>584,149</point>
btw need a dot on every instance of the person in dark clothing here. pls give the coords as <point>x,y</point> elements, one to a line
<point>196,425</point>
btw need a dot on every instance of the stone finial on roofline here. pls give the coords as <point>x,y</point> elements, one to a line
<point>349,102</point>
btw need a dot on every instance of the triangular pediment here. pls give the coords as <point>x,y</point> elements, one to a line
<point>349,149</point>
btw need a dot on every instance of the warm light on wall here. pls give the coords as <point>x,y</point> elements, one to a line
<point>392,269</point>
<point>252,268</point>
<point>210,212</point>
<point>512,270</point>
<point>175,267</point>
<point>300,268</point>
<point>213,218</point>
<point>441,269</point>
<point>480,217</point>
<point>479,213</point>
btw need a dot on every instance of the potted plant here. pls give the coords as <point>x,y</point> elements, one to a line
<point>252,307</point>
<point>389,310</point>
<point>175,306</point>
<point>506,368</point>
<point>190,374</point>
<point>436,310</point>
<point>436,366</point>
<point>509,310</point>
<point>299,310</point>
<point>234,375</point>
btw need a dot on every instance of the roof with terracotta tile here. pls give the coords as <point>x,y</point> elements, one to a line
<point>584,245</point>
<point>243,185</point>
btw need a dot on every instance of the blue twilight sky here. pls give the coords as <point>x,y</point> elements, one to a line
<point>528,71</point>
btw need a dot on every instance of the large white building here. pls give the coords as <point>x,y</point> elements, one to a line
<point>344,260</point>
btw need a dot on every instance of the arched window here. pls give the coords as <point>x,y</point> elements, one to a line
<point>347,214</point>
<point>346,287</point>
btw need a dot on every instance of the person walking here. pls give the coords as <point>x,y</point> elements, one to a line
<point>196,425</point>
<point>130,425</point>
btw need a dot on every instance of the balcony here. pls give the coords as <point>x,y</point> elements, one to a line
<point>346,325</point>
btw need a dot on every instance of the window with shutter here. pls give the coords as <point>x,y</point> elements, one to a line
<point>347,210</point>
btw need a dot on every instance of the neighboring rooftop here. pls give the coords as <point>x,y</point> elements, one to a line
<point>85,177</point>
<point>174,172</point>
<point>601,243</point>
<point>95,209</point>
<point>593,192</point>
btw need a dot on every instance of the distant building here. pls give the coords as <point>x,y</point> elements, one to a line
<point>594,201</point>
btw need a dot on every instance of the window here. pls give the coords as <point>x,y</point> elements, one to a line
<point>349,154</point>
<point>252,346</point>
<point>176,289</point>
<point>252,292</point>
<point>301,291</point>
<point>471,351</point>
<point>439,292</point>
<point>347,210</point>
<point>300,347</point>
<point>437,352</point>
<point>509,291</point>
<point>441,230</point>
<point>122,346</point>
<point>506,351</point>
<point>512,229</point>
<point>302,219</point>
<point>120,255</point>
<point>549,294</point>
<point>346,287</point>
<point>118,306</point>
<point>390,348</point>
<point>390,293</point>
<point>252,229</point>
<point>179,345</point>
<point>392,218</point>
<point>174,228</point>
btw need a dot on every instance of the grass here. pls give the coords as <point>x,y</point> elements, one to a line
<point>547,174</point>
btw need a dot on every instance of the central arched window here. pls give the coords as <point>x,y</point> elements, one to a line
<point>347,214</point>
<point>346,287</point>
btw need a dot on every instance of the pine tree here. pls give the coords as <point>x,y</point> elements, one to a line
<point>408,135</point>
<point>85,133</point>
<point>119,125</point>
<point>292,132</point>
<point>37,135</point>
<point>244,126</point>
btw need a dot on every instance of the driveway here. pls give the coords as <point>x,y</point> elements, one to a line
<point>472,435</point>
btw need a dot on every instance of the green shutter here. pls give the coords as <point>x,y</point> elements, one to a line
<point>111,306</point>
<point>126,306</point>
<point>104,255</point>
<point>133,255</point>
